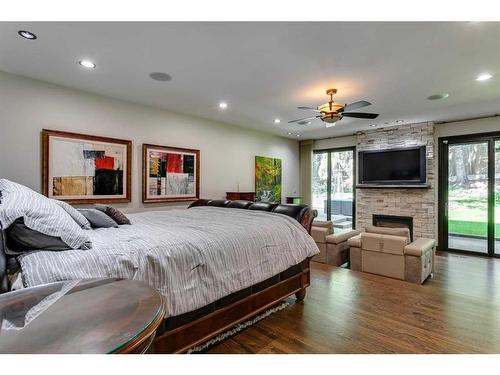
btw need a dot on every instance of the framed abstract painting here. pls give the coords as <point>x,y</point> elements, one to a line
<point>86,169</point>
<point>267,179</point>
<point>170,174</point>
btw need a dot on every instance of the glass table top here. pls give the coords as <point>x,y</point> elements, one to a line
<point>81,316</point>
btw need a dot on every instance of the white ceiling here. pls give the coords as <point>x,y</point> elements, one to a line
<point>265,70</point>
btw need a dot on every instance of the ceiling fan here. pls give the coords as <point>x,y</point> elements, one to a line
<point>332,112</point>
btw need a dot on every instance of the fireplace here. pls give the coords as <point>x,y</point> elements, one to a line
<point>393,221</point>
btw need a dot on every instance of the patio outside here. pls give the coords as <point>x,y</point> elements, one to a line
<point>341,185</point>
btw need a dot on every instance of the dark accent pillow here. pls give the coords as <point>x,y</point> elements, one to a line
<point>98,219</point>
<point>4,281</point>
<point>114,214</point>
<point>20,239</point>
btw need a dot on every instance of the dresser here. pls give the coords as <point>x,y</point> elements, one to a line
<point>240,195</point>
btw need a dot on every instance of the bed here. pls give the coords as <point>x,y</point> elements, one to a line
<point>214,265</point>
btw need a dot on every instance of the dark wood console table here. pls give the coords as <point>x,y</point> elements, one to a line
<point>238,195</point>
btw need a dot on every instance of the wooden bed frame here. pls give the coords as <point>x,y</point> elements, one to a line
<point>181,339</point>
<point>239,308</point>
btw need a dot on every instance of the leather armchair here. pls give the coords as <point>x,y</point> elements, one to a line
<point>390,253</point>
<point>333,247</point>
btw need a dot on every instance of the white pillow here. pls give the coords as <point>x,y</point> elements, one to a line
<point>40,213</point>
<point>74,213</point>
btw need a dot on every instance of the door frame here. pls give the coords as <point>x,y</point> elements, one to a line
<point>443,146</point>
<point>329,178</point>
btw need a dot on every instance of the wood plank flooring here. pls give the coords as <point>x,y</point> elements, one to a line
<point>458,311</point>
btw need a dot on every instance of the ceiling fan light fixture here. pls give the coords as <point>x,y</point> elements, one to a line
<point>331,111</point>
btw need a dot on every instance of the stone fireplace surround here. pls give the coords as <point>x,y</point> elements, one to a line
<point>417,203</point>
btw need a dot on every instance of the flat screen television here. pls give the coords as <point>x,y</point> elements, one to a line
<point>402,166</point>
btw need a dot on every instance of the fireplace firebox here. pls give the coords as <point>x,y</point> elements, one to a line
<point>393,221</point>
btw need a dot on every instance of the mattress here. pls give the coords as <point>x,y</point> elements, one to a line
<point>191,257</point>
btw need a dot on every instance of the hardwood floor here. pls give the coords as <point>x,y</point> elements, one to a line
<point>458,311</point>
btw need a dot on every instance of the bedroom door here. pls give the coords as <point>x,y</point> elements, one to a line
<point>333,190</point>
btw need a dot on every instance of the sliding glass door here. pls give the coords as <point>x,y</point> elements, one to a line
<point>468,197</point>
<point>469,194</point>
<point>333,186</point>
<point>497,198</point>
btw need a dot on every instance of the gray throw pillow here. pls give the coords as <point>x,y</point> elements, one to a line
<point>98,219</point>
<point>73,212</point>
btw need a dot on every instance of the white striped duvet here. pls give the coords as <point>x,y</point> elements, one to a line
<point>192,257</point>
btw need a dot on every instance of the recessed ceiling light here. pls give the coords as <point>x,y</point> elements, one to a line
<point>298,135</point>
<point>373,125</point>
<point>277,120</point>
<point>87,64</point>
<point>484,77</point>
<point>27,35</point>
<point>443,95</point>
<point>159,76</point>
<point>222,105</point>
<point>290,133</point>
<point>399,121</point>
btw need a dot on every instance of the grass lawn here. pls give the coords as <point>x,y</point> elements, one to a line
<point>468,214</point>
<point>472,228</point>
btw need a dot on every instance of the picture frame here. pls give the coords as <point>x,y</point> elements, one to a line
<point>86,169</point>
<point>268,179</point>
<point>170,174</point>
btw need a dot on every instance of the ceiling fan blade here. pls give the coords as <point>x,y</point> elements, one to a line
<point>357,105</point>
<point>304,119</point>
<point>309,108</point>
<point>360,115</point>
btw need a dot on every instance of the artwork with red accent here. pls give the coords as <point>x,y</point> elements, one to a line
<point>170,174</point>
<point>81,168</point>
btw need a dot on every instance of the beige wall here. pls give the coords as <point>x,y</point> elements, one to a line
<point>327,143</point>
<point>227,152</point>
<point>484,125</point>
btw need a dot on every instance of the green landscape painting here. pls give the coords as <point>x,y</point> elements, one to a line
<point>267,179</point>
